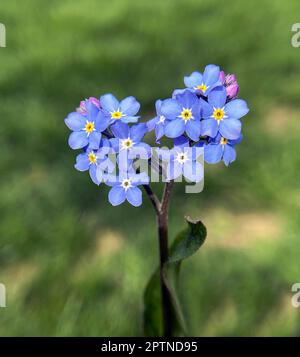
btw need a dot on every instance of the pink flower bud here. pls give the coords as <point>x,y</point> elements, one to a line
<point>95,101</point>
<point>230,79</point>
<point>82,107</point>
<point>232,90</point>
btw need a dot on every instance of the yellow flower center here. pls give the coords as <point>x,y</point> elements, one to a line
<point>126,144</point>
<point>186,114</point>
<point>126,184</point>
<point>89,127</point>
<point>223,141</point>
<point>202,87</point>
<point>219,114</point>
<point>92,158</point>
<point>116,115</point>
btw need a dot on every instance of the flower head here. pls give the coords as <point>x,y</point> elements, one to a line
<point>125,187</point>
<point>182,161</point>
<point>183,113</point>
<point>204,83</point>
<point>129,138</point>
<point>159,122</point>
<point>220,148</point>
<point>86,128</point>
<point>221,117</point>
<point>114,111</point>
<point>95,162</point>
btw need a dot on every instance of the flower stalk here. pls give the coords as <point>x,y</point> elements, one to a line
<point>162,215</point>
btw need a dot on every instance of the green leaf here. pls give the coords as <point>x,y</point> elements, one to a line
<point>184,245</point>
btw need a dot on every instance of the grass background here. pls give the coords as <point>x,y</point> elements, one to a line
<point>74,265</point>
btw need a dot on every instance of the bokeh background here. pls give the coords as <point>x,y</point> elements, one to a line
<point>74,265</point>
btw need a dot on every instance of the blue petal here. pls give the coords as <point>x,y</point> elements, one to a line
<point>115,144</point>
<point>206,109</point>
<point>137,132</point>
<point>139,179</point>
<point>170,108</point>
<point>129,119</point>
<point>174,128</point>
<point>213,153</point>
<point>92,111</point>
<point>129,106</point>
<point>209,127</point>
<point>75,121</point>
<point>193,171</point>
<point>141,150</point>
<point>194,80</point>
<point>217,97</point>
<point>109,103</point>
<point>177,92</point>
<point>188,99</point>
<point>101,121</point>
<point>159,131</point>
<point>82,162</point>
<point>120,130</point>
<point>193,129</point>
<point>236,109</point>
<point>211,74</point>
<point>78,140</point>
<point>94,140</point>
<point>116,195</point>
<point>181,141</point>
<point>236,141</point>
<point>134,196</point>
<point>151,123</point>
<point>93,175</point>
<point>229,154</point>
<point>158,104</point>
<point>230,128</point>
<point>174,170</point>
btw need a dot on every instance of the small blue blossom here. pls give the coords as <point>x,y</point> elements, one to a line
<point>159,122</point>
<point>86,128</point>
<point>182,161</point>
<point>95,161</point>
<point>125,187</point>
<point>114,111</point>
<point>129,138</point>
<point>184,115</point>
<point>222,117</point>
<point>219,149</point>
<point>204,83</point>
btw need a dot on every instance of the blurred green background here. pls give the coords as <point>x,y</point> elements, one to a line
<point>74,265</point>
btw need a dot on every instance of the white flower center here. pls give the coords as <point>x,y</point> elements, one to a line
<point>126,184</point>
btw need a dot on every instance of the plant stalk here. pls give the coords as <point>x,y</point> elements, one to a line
<point>162,214</point>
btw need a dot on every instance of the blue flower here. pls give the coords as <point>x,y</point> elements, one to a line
<point>184,115</point>
<point>115,111</point>
<point>182,161</point>
<point>203,84</point>
<point>221,117</point>
<point>159,122</point>
<point>86,128</point>
<point>125,187</point>
<point>128,139</point>
<point>96,162</point>
<point>219,149</point>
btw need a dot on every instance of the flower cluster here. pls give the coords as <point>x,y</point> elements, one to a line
<point>206,113</point>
